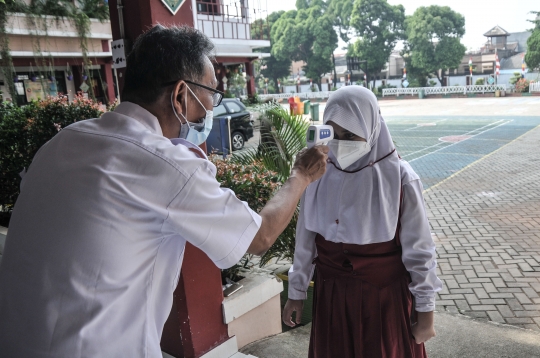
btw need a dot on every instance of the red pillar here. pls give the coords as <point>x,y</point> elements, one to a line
<point>195,324</point>
<point>140,15</point>
<point>77,77</point>
<point>251,82</point>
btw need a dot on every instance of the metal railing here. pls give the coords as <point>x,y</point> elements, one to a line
<point>304,95</point>
<point>534,87</point>
<point>444,90</point>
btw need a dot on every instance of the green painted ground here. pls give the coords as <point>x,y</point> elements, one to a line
<point>437,147</point>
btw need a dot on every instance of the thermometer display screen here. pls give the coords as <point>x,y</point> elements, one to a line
<point>311,136</point>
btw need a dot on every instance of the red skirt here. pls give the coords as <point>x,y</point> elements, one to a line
<point>362,306</point>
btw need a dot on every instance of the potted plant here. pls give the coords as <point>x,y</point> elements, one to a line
<point>307,310</point>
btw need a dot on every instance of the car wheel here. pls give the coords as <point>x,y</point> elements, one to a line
<point>237,140</point>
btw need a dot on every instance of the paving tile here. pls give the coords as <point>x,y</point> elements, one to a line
<point>490,242</point>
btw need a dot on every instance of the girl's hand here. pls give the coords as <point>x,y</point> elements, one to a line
<point>290,307</point>
<point>423,330</point>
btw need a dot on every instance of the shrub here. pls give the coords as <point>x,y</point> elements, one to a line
<point>480,82</point>
<point>381,87</point>
<point>282,137</point>
<point>23,130</point>
<point>228,94</point>
<point>252,183</point>
<point>251,100</point>
<point>522,85</point>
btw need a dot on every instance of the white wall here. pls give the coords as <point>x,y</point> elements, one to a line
<point>303,88</point>
<point>504,78</point>
<point>4,89</point>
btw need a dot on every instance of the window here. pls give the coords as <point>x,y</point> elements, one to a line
<point>220,110</point>
<point>234,107</point>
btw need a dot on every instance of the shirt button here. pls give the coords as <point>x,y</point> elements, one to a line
<point>370,164</point>
<point>337,221</point>
<point>354,273</point>
<point>345,251</point>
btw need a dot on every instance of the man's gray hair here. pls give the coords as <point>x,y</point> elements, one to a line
<point>161,55</point>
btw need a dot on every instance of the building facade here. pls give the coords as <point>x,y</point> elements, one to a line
<point>47,58</point>
<point>228,23</point>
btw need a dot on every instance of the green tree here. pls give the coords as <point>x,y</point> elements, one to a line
<point>306,35</point>
<point>340,11</point>
<point>379,26</point>
<point>275,68</point>
<point>433,36</point>
<point>532,57</point>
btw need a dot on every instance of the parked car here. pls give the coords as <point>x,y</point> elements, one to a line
<point>241,121</point>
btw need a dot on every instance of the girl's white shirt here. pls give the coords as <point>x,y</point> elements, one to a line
<point>418,255</point>
<point>363,207</point>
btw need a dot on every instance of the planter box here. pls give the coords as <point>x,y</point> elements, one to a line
<point>254,312</point>
<point>307,311</point>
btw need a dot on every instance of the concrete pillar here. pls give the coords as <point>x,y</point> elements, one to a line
<point>107,75</point>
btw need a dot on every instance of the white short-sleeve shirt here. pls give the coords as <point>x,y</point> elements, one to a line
<point>96,240</point>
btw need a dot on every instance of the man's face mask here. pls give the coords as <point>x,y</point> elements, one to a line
<point>196,133</point>
<point>348,152</point>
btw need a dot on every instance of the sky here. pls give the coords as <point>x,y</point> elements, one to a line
<point>480,15</point>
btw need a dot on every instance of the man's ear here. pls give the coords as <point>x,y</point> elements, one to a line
<point>179,98</point>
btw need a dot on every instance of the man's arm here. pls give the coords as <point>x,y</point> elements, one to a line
<point>310,165</point>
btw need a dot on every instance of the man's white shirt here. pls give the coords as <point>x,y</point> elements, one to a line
<point>96,240</point>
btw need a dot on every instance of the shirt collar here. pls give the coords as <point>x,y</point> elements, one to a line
<point>140,114</point>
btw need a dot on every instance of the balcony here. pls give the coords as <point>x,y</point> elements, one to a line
<point>59,37</point>
<point>232,20</point>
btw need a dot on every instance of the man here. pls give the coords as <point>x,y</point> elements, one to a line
<point>97,237</point>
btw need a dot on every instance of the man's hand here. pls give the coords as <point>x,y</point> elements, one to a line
<point>290,307</point>
<point>423,330</point>
<point>311,163</point>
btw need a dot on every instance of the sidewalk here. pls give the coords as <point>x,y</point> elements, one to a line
<point>457,336</point>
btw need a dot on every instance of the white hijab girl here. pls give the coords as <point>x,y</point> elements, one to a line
<point>365,203</point>
<point>357,200</point>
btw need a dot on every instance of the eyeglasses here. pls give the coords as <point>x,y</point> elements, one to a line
<point>217,95</point>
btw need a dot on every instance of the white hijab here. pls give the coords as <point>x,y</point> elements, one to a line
<point>359,207</point>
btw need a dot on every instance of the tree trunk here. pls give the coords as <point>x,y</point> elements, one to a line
<point>334,63</point>
<point>440,79</point>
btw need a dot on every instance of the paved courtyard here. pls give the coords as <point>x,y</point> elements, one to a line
<point>480,165</point>
<point>479,161</point>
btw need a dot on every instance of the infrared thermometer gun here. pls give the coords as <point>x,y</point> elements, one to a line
<point>319,134</point>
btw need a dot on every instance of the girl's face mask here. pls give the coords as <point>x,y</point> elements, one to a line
<point>348,152</point>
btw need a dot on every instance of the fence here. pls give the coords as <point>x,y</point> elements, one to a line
<point>534,87</point>
<point>306,95</point>
<point>444,90</point>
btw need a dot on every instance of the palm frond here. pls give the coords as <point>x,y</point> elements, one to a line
<point>282,136</point>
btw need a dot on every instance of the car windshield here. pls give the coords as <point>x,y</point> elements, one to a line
<point>220,110</point>
<point>234,107</point>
